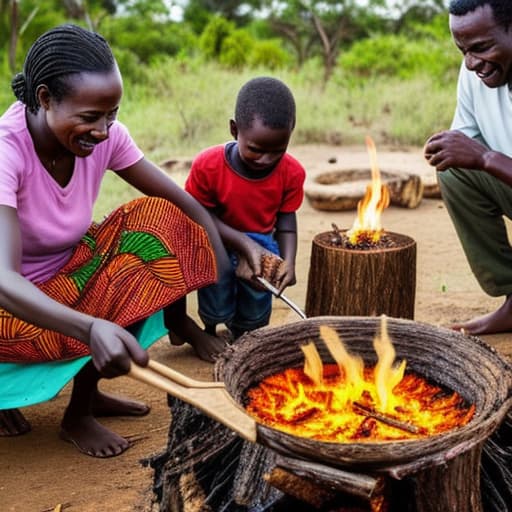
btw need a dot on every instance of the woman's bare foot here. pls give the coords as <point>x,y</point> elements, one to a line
<point>109,405</point>
<point>13,423</point>
<point>497,321</point>
<point>92,438</point>
<point>206,346</point>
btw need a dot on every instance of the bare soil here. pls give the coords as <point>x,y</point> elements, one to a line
<point>39,472</point>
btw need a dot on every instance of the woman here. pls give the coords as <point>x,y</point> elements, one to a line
<point>74,295</point>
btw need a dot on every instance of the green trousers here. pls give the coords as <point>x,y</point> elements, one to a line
<point>477,203</point>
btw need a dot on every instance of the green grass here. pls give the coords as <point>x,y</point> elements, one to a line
<point>184,107</point>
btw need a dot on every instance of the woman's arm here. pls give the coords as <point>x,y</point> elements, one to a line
<point>152,181</point>
<point>112,347</point>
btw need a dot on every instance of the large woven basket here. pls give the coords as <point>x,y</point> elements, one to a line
<point>461,363</point>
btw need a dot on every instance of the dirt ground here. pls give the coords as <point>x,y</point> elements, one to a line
<point>39,472</point>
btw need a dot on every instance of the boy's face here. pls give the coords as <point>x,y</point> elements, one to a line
<point>259,146</point>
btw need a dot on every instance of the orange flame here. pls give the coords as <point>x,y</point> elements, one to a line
<point>346,402</point>
<point>386,376</point>
<point>367,226</point>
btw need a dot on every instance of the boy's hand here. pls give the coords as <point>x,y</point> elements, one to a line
<point>269,265</point>
<point>285,276</point>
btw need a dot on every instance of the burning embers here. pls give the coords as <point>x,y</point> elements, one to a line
<point>346,402</point>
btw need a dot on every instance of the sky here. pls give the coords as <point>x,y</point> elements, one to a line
<point>176,7</point>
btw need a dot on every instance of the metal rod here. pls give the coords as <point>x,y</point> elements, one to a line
<point>275,292</point>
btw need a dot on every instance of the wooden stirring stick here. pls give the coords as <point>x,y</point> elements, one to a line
<point>210,397</point>
<point>181,379</point>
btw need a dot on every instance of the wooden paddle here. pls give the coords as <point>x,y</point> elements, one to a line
<point>210,397</point>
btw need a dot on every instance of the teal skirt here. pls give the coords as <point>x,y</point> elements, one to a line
<point>32,383</point>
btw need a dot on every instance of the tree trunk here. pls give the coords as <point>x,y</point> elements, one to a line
<point>451,487</point>
<point>348,282</point>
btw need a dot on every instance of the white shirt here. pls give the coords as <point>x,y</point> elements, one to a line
<point>484,113</point>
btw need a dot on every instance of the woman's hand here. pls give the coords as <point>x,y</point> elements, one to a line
<point>114,348</point>
<point>250,257</point>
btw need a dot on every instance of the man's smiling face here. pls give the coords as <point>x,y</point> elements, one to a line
<point>485,44</point>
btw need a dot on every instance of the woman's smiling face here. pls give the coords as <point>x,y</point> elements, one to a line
<point>485,44</point>
<point>82,118</point>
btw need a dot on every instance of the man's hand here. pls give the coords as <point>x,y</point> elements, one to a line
<point>454,149</point>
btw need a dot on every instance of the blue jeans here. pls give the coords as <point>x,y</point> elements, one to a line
<point>233,301</point>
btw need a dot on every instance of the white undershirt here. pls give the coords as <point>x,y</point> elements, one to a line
<point>484,113</point>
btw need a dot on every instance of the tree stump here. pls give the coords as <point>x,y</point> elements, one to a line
<point>356,282</point>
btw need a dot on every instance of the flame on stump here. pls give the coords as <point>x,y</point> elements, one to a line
<point>367,225</point>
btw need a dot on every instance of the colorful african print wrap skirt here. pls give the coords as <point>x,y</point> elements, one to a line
<point>142,257</point>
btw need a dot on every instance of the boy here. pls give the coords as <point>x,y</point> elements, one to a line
<point>252,187</point>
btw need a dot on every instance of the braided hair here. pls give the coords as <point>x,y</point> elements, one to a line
<point>267,99</point>
<point>62,51</point>
<point>501,9</point>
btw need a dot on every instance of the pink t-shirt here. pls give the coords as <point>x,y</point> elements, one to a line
<point>52,218</point>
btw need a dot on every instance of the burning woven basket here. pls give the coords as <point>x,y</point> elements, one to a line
<point>461,363</point>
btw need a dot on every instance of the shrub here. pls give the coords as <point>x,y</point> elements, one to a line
<point>235,49</point>
<point>269,53</point>
<point>130,65</point>
<point>399,56</point>
<point>147,39</point>
<point>213,35</point>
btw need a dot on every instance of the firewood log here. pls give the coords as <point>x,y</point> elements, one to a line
<point>298,487</point>
<point>342,190</point>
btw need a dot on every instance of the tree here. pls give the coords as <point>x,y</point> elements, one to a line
<point>198,12</point>
<point>11,22</point>
<point>312,27</point>
<point>13,39</point>
<point>407,12</point>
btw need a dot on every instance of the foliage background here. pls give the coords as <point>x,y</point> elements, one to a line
<point>384,68</point>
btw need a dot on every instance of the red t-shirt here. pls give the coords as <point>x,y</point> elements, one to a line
<point>249,205</point>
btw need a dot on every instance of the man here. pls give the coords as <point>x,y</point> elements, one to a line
<point>475,157</point>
